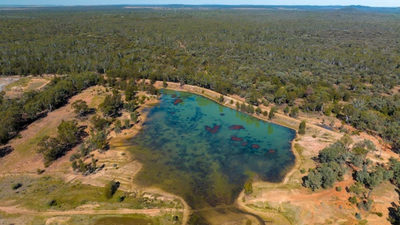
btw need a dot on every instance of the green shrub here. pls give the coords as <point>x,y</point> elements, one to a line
<point>110,189</point>
<point>302,127</point>
<point>339,189</point>
<point>353,200</point>
<point>248,187</point>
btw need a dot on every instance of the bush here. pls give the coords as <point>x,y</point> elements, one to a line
<point>358,216</point>
<point>302,127</point>
<point>74,156</point>
<point>52,202</point>
<point>378,214</point>
<point>339,189</point>
<point>39,171</point>
<point>353,200</point>
<point>272,112</point>
<point>16,186</point>
<point>248,187</point>
<point>111,188</point>
<point>303,171</point>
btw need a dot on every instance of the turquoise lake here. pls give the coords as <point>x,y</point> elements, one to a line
<point>193,147</point>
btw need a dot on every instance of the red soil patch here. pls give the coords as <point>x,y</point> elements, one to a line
<point>236,127</point>
<point>234,138</point>
<point>255,146</point>
<point>213,130</point>
<point>271,151</point>
<point>177,101</point>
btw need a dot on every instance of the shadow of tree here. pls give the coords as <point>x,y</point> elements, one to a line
<point>394,212</point>
<point>5,150</point>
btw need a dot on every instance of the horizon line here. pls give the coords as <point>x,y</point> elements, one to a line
<point>63,5</point>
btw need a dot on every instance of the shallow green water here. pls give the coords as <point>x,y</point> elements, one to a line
<point>205,167</point>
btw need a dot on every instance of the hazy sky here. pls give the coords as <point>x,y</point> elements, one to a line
<point>385,3</point>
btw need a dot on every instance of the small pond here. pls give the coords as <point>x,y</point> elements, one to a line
<point>195,148</point>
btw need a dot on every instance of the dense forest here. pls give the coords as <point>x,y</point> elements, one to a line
<point>342,62</point>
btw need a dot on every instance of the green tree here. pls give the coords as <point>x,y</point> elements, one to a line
<point>67,132</point>
<point>272,112</point>
<point>80,108</point>
<point>313,180</point>
<point>117,126</point>
<point>294,112</point>
<point>110,189</point>
<point>248,187</point>
<point>302,127</point>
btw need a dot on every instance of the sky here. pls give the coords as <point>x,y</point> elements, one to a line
<point>376,3</point>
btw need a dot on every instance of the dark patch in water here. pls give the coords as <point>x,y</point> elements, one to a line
<point>236,127</point>
<point>234,138</point>
<point>177,101</point>
<point>222,114</point>
<point>213,130</point>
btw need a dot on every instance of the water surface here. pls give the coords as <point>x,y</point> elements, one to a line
<point>205,152</point>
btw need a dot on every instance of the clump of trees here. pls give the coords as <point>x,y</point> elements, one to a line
<point>17,113</point>
<point>52,148</point>
<point>81,109</point>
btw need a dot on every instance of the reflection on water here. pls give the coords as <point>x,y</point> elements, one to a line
<point>190,149</point>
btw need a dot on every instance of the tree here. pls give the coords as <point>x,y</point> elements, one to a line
<point>111,105</point>
<point>110,189</point>
<point>258,111</point>
<point>248,187</point>
<point>286,110</point>
<point>118,126</point>
<point>272,112</point>
<point>328,177</point>
<point>130,92</point>
<point>134,117</point>
<point>221,98</point>
<point>80,108</point>
<point>51,149</point>
<point>313,180</point>
<point>67,132</point>
<point>294,112</point>
<point>302,127</point>
<point>336,152</point>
